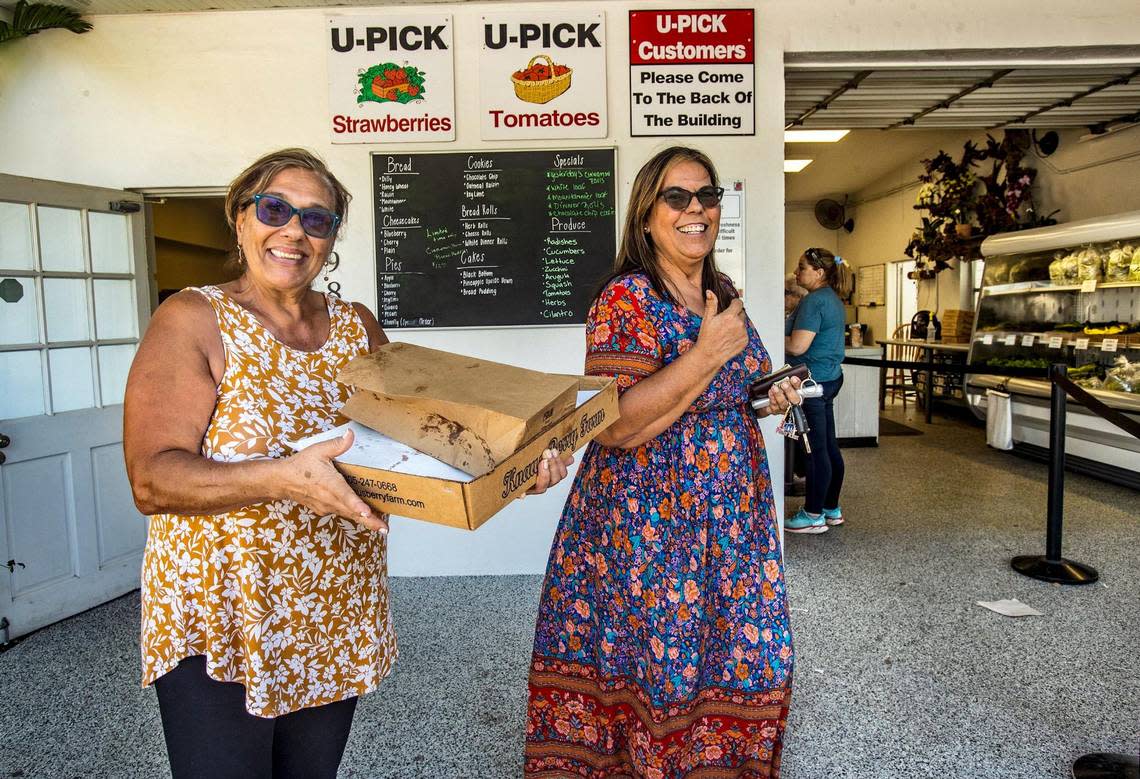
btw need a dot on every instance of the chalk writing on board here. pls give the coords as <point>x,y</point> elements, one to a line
<point>494,238</point>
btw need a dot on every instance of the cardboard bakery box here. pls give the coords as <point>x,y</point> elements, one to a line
<point>395,478</point>
<point>468,412</point>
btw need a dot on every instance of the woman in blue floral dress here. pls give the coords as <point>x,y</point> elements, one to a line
<point>663,647</point>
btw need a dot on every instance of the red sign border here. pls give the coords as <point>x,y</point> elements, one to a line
<point>752,64</point>
<point>747,11</point>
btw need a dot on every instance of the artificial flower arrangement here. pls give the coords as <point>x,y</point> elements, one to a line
<point>959,201</point>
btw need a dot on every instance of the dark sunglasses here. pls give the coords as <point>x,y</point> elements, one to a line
<point>679,198</point>
<point>275,212</point>
<point>813,255</point>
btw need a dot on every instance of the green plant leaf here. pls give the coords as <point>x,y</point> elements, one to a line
<point>33,18</point>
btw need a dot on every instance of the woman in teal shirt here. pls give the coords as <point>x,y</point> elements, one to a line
<point>817,340</point>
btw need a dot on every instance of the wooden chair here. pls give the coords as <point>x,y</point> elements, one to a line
<point>900,381</point>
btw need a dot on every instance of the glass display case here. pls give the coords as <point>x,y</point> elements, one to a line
<point>1068,293</point>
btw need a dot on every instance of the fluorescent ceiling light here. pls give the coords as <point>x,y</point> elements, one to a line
<point>795,166</point>
<point>814,136</point>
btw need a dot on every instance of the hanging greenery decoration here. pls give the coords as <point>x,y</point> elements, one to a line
<point>32,18</point>
<point>958,201</point>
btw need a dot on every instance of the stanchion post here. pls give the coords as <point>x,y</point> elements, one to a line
<point>1056,504</point>
<point>1052,567</point>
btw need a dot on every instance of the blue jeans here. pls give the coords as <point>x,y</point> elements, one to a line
<point>824,472</point>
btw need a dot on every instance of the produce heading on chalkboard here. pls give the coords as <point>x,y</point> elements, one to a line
<point>390,82</point>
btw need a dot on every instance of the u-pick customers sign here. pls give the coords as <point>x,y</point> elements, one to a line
<point>391,78</point>
<point>543,76</point>
<point>692,72</point>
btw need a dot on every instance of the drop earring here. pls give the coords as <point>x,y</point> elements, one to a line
<point>332,263</point>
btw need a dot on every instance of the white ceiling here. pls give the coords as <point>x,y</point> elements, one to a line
<point>963,89</point>
<point>859,160</point>
<point>945,94</point>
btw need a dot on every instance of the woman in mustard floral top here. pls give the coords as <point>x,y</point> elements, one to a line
<point>663,648</point>
<point>264,584</point>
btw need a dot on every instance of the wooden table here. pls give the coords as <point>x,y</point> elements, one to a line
<point>928,348</point>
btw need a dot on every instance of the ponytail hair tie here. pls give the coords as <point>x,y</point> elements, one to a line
<point>839,260</point>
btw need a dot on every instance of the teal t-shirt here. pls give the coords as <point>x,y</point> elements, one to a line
<point>821,312</point>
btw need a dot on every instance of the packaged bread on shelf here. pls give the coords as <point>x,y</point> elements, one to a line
<point>1089,265</point>
<point>1118,266</point>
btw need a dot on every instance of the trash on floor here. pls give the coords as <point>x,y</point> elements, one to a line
<point>1010,607</point>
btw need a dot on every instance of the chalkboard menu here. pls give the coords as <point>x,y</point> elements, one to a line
<point>477,239</point>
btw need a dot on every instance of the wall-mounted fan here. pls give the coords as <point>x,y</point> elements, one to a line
<point>832,215</point>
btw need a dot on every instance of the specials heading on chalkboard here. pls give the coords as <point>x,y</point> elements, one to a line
<point>481,239</point>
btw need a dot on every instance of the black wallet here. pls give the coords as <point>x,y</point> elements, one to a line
<point>760,387</point>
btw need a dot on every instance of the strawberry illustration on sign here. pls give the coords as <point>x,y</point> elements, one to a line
<point>390,82</point>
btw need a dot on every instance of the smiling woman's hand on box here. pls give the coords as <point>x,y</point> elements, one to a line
<point>310,478</point>
<point>551,471</point>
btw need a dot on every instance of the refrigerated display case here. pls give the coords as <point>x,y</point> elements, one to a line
<point>1068,293</point>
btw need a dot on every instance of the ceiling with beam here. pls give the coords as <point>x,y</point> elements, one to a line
<point>961,90</point>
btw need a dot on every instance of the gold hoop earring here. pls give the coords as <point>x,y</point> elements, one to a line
<point>241,257</point>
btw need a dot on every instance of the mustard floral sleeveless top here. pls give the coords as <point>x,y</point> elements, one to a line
<point>292,605</point>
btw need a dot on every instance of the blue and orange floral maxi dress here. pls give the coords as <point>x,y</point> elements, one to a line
<point>663,647</point>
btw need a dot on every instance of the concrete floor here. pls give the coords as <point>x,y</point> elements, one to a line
<point>899,674</point>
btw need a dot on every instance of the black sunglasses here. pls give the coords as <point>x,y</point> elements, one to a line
<point>276,212</point>
<point>813,255</point>
<point>678,198</point>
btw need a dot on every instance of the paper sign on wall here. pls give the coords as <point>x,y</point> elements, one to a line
<point>543,76</point>
<point>391,78</point>
<point>729,249</point>
<point>692,72</point>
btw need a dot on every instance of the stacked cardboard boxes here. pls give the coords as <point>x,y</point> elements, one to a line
<point>957,325</point>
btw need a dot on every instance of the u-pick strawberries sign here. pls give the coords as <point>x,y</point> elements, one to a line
<point>692,72</point>
<point>391,78</point>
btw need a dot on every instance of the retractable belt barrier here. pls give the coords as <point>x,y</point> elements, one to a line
<point>1081,395</point>
<point>979,369</point>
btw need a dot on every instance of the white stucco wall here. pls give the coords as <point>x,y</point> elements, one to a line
<point>170,100</point>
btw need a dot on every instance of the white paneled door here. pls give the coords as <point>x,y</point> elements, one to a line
<point>73,302</point>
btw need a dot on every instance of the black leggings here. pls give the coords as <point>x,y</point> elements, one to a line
<point>825,463</point>
<point>210,735</point>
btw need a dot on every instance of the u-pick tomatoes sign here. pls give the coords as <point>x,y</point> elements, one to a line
<point>543,76</point>
<point>391,79</point>
<point>692,72</point>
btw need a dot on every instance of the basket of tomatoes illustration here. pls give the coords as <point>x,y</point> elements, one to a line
<point>541,83</point>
